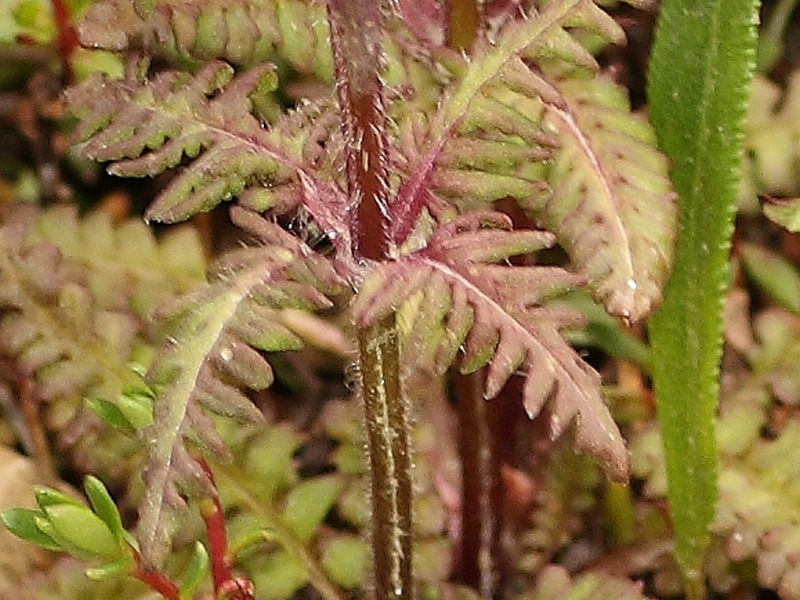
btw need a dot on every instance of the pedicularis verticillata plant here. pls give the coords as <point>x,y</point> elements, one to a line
<point>439,149</point>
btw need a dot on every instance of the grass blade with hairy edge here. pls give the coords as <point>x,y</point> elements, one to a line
<point>700,71</point>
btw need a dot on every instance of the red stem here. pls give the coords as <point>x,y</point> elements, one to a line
<point>487,432</point>
<point>356,32</point>
<point>356,35</point>
<point>214,517</point>
<point>67,41</point>
<point>156,580</point>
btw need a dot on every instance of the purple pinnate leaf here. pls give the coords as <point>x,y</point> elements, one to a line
<point>213,343</point>
<point>426,18</point>
<point>242,32</point>
<point>529,118</point>
<point>496,314</point>
<point>147,127</point>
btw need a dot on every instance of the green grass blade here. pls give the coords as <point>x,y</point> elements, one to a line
<point>702,61</point>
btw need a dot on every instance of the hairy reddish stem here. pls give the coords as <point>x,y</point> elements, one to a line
<point>386,415</point>
<point>226,586</point>
<point>356,31</point>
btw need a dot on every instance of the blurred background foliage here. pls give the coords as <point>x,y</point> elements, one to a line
<point>80,275</point>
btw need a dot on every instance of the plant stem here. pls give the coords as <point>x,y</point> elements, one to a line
<point>31,409</point>
<point>155,580</point>
<point>232,478</point>
<point>214,518</point>
<point>482,496</point>
<point>695,584</point>
<point>386,414</point>
<point>67,40</point>
<point>483,440</point>
<point>356,32</point>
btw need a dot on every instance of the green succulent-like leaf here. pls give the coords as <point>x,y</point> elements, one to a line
<point>22,523</point>
<point>346,560</point>
<point>79,531</point>
<point>104,506</point>
<point>47,497</point>
<point>308,504</point>
<point>213,339</point>
<point>111,570</point>
<point>136,405</point>
<point>196,572</point>
<point>111,414</point>
<point>280,576</point>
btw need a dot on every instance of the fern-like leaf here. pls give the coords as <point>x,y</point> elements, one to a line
<point>535,94</point>
<point>465,299</point>
<point>243,32</point>
<point>212,341</point>
<point>76,294</point>
<point>147,127</point>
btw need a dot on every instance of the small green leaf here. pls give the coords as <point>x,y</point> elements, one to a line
<point>346,560</point>
<point>22,523</point>
<point>249,539</point>
<point>784,212</point>
<point>136,404</point>
<point>110,570</point>
<point>774,274</point>
<point>111,414</point>
<point>308,504</point>
<point>104,506</point>
<point>195,572</point>
<point>82,530</point>
<point>269,464</point>
<point>46,497</point>
<point>605,332</point>
<point>281,576</point>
